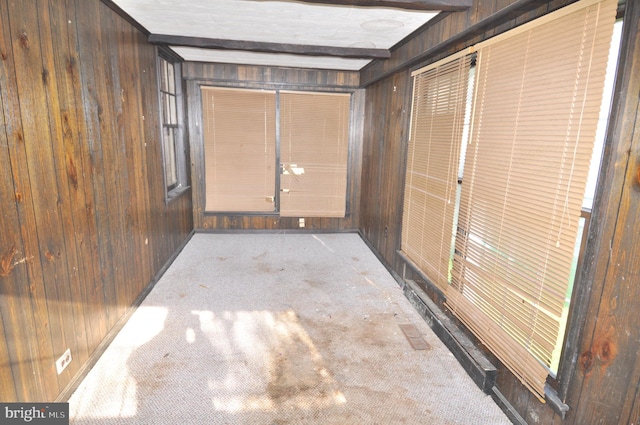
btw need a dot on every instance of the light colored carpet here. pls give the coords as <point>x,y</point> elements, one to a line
<point>277,329</point>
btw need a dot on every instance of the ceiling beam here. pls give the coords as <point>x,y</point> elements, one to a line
<point>262,47</point>
<point>433,5</point>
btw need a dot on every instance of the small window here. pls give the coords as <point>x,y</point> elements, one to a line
<point>173,151</point>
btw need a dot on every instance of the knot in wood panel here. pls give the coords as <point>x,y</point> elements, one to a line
<point>24,40</point>
<point>586,362</point>
<point>606,351</point>
<point>6,262</point>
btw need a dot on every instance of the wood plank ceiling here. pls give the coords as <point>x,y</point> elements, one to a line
<point>320,34</point>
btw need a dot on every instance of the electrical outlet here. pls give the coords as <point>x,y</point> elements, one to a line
<point>63,361</point>
<point>301,222</point>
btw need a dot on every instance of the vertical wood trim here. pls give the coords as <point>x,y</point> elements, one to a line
<point>355,156</point>
<point>196,144</point>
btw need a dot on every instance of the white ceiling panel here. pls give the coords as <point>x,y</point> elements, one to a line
<point>284,22</point>
<point>269,59</point>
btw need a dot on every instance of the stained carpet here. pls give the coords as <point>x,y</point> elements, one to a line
<point>278,329</point>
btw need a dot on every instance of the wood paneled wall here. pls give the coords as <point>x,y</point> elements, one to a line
<point>84,226</point>
<point>387,115</point>
<point>263,77</point>
<point>602,384</point>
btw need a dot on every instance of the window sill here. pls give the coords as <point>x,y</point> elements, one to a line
<point>176,193</point>
<point>553,400</point>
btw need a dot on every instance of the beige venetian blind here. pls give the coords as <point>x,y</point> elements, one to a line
<point>538,96</point>
<point>437,123</point>
<point>240,149</point>
<point>314,142</point>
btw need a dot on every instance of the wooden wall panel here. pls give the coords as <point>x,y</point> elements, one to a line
<point>85,227</point>
<point>243,75</point>
<point>262,77</point>
<point>388,110</point>
<point>23,122</point>
<point>603,389</point>
<point>19,339</point>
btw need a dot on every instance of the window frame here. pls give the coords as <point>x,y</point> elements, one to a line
<point>428,89</point>
<point>278,90</point>
<point>165,57</point>
<point>213,90</point>
<point>582,280</point>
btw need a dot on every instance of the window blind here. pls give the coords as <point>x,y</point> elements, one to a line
<point>431,180</point>
<point>538,96</point>
<point>314,141</point>
<point>240,149</point>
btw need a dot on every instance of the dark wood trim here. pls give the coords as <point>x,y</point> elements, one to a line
<point>474,362</point>
<point>168,54</point>
<point>274,213</point>
<point>507,407</point>
<point>111,5</point>
<point>303,231</point>
<point>278,165</point>
<point>431,287</point>
<point>401,4</point>
<point>263,47</point>
<point>231,83</point>
<point>553,399</point>
<point>576,317</point>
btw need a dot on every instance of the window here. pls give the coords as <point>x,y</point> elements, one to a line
<point>276,152</point>
<point>537,97</point>
<point>432,172</point>
<point>173,151</point>
<point>240,149</point>
<point>314,136</point>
